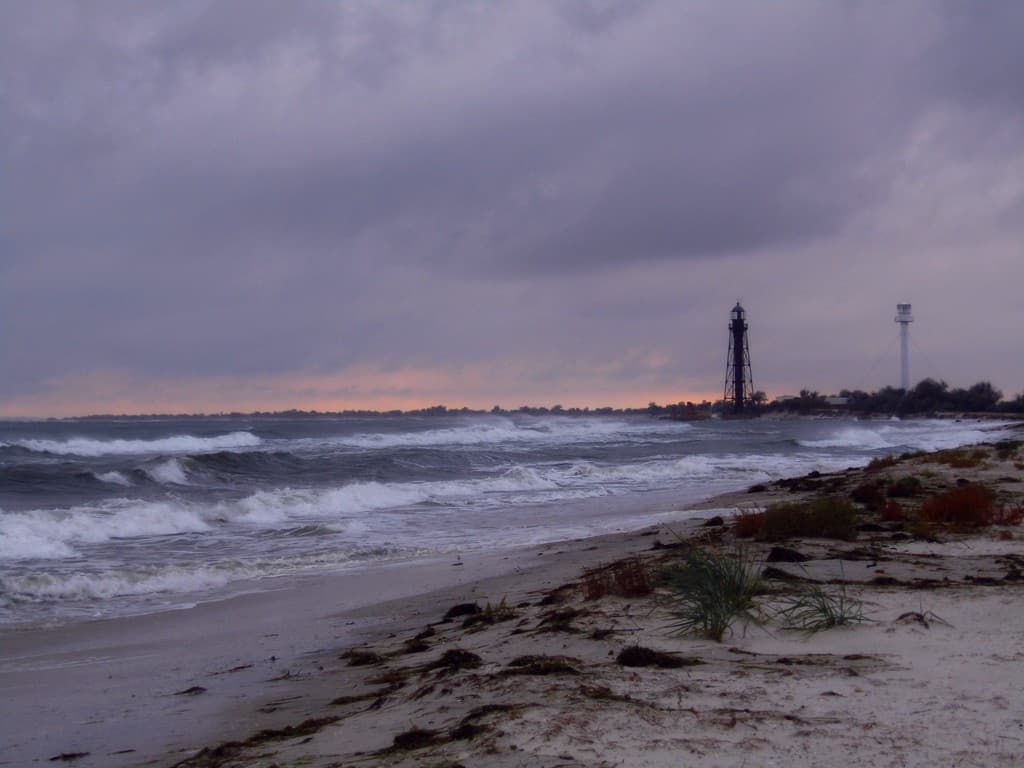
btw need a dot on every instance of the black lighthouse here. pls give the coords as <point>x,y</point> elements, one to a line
<point>738,376</point>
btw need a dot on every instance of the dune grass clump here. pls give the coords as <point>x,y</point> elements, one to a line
<point>1007,449</point>
<point>814,609</point>
<point>748,523</point>
<point>958,458</point>
<point>905,488</point>
<point>882,462</point>
<point>969,506</point>
<point>869,494</point>
<point>711,589</point>
<point>491,614</point>
<point>626,578</point>
<point>829,517</point>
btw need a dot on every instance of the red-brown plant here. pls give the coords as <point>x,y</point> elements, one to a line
<point>969,506</point>
<point>748,523</point>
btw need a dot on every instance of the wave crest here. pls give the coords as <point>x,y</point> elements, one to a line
<point>82,446</point>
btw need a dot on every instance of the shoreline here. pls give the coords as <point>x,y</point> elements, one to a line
<point>246,652</point>
<point>277,665</point>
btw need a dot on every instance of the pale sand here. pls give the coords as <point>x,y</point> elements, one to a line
<point>940,686</point>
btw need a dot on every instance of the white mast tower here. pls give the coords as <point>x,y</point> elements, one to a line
<point>904,318</point>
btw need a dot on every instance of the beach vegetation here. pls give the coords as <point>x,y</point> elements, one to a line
<point>455,659</point>
<point>360,658</point>
<point>626,578</point>
<point>1007,449</point>
<point>815,608</point>
<point>904,488</point>
<point>882,462</point>
<point>748,523</point>
<point>541,666</point>
<point>710,589</point>
<point>968,506</point>
<point>561,620</point>
<point>891,512</point>
<point>827,517</point>
<point>415,738</point>
<point>1007,515</point>
<point>491,614</point>
<point>869,494</point>
<point>958,458</point>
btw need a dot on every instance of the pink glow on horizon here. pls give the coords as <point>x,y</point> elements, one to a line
<point>361,387</point>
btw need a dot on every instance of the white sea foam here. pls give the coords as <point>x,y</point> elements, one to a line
<point>504,431</point>
<point>55,533</point>
<point>168,472</point>
<point>108,584</point>
<point>81,446</point>
<point>114,478</point>
<point>926,435</point>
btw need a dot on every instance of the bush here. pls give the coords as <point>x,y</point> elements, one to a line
<point>827,518</point>
<point>711,589</point>
<point>882,462</point>
<point>1008,516</point>
<point>748,523</point>
<point>971,505</point>
<point>869,494</point>
<point>891,512</point>
<point>1007,449</point>
<point>905,488</point>
<point>958,458</point>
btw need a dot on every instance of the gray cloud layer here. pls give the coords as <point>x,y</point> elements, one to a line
<point>254,188</point>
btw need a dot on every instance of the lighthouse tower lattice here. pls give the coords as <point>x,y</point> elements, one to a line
<point>739,379</point>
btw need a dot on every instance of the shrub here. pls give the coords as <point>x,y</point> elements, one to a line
<point>814,609</point>
<point>958,458</point>
<point>970,505</point>
<point>711,589</point>
<point>1008,516</point>
<point>626,578</point>
<point>748,523</point>
<point>891,512</point>
<point>882,462</point>
<point>904,488</point>
<point>827,518</point>
<point>1007,449</point>
<point>869,494</point>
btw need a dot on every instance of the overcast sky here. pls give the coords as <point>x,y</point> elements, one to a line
<point>216,205</point>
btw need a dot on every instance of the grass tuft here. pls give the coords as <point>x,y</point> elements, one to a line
<point>711,590</point>
<point>814,609</point>
<point>882,462</point>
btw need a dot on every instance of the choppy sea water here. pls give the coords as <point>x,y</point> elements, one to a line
<point>105,518</point>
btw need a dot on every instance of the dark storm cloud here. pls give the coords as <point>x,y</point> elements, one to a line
<point>256,187</point>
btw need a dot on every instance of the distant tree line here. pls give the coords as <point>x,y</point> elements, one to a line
<point>928,396</point>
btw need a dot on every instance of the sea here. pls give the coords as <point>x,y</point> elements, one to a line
<point>105,518</point>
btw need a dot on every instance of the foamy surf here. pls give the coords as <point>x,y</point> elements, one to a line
<point>106,518</point>
<point>80,446</point>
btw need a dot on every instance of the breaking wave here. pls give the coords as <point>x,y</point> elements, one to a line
<point>81,446</point>
<point>925,435</point>
<point>505,431</point>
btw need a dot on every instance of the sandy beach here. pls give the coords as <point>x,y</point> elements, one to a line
<point>366,670</point>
